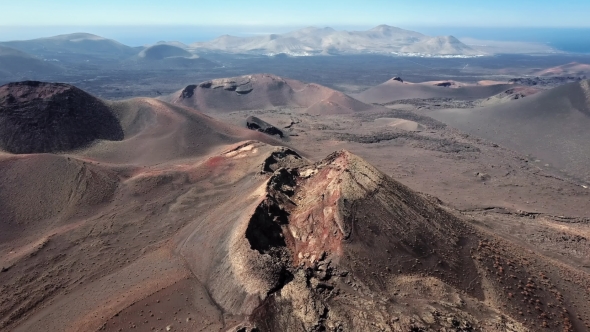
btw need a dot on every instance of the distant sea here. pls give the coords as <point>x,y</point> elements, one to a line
<point>576,40</point>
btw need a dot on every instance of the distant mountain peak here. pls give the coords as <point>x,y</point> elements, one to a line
<point>382,27</point>
<point>450,39</point>
<point>389,28</point>
<point>77,36</point>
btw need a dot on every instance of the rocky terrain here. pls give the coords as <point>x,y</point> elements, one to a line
<point>255,123</point>
<point>546,81</point>
<point>337,253</point>
<point>361,218</point>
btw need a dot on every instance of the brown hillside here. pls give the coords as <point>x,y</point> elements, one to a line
<point>264,91</point>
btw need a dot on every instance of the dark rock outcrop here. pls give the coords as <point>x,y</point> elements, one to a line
<point>545,81</point>
<point>244,88</point>
<point>189,91</point>
<point>444,84</point>
<point>255,123</point>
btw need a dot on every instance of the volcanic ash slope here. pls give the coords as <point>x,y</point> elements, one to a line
<point>551,126</point>
<point>48,117</point>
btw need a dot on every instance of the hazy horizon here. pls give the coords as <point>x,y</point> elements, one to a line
<point>564,27</point>
<point>575,40</point>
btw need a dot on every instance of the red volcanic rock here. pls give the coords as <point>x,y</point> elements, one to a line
<point>328,234</point>
<point>37,117</point>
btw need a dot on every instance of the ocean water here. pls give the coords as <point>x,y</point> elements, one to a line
<point>576,40</point>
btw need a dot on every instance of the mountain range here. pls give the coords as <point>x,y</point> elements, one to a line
<point>382,39</point>
<point>309,41</point>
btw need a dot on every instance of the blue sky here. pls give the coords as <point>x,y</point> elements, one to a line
<point>507,13</point>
